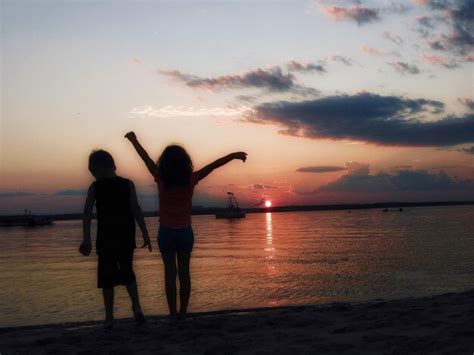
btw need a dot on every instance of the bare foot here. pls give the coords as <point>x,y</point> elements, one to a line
<point>109,324</point>
<point>139,318</point>
<point>182,316</point>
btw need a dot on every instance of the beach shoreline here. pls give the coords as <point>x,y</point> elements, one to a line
<point>433,324</point>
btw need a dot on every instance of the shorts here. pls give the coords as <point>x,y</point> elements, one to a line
<point>171,240</point>
<point>115,269</point>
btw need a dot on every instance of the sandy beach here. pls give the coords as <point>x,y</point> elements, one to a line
<point>436,324</point>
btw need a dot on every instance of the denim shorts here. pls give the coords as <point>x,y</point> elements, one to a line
<point>175,240</point>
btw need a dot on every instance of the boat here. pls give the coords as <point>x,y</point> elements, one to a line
<point>233,211</point>
<point>26,220</point>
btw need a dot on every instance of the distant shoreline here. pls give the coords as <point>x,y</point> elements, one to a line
<point>304,208</point>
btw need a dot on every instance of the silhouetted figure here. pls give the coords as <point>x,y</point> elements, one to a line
<point>117,209</point>
<point>176,180</point>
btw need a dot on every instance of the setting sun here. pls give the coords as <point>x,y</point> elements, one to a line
<point>268,203</point>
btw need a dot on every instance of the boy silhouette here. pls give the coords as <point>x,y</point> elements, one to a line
<point>117,209</point>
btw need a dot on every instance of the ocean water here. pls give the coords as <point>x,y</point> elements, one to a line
<point>266,259</point>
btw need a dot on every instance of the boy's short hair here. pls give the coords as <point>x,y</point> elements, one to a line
<point>101,159</point>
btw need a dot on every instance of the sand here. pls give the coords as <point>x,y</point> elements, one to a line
<point>436,324</point>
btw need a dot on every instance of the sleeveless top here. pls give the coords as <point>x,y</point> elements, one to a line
<point>176,203</point>
<point>115,221</point>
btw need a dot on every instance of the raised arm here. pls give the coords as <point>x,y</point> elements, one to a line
<point>86,246</point>
<point>150,164</point>
<point>138,214</point>
<point>220,162</point>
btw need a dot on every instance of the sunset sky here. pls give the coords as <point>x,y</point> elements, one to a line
<point>334,101</point>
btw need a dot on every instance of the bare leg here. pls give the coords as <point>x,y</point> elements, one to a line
<point>133,293</point>
<point>169,260</point>
<point>184,282</point>
<point>137,310</point>
<point>108,294</point>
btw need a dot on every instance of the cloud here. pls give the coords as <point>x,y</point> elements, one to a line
<point>262,187</point>
<point>367,117</point>
<point>304,68</point>
<point>439,61</point>
<point>405,68</point>
<point>16,194</point>
<point>399,181</point>
<point>272,79</point>
<point>352,166</point>
<point>437,45</point>
<point>340,58</point>
<point>469,150</point>
<point>320,169</point>
<point>393,38</point>
<point>404,178</point>
<point>378,52</point>
<point>188,111</point>
<point>359,14</point>
<point>467,102</point>
<point>434,4</point>
<point>402,167</point>
<point>246,98</point>
<point>425,21</point>
<point>372,51</point>
<point>459,16</point>
<point>357,168</point>
<point>461,38</point>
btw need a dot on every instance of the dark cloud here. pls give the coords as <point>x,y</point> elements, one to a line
<point>437,46</point>
<point>271,80</point>
<point>405,68</point>
<point>403,179</point>
<point>393,38</point>
<point>461,39</point>
<point>372,118</point>
<point>425,21</point>
<point>246,98</point>
<point>469,150</point>
<point>459,16</point>
<point>320,169</point>
<point>16,194</point>
<point>71,192</point>
<point>304,68</point>
<point>436,4</point>
<point>340,58</point>
<point>400,181</point>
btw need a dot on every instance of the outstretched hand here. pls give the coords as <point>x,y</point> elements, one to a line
<point>131,136</point>
<point>240,155</point>
<point>85,248</point>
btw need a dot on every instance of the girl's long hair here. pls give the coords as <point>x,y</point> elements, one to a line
<point>175,166</point>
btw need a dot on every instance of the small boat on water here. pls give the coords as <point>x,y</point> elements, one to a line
<point>26,220</point>
<point>233,210</point>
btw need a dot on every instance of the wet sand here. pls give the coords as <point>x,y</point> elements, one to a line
<point>436,324</point>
